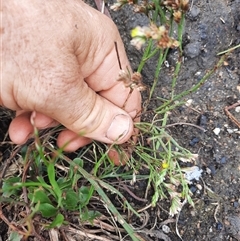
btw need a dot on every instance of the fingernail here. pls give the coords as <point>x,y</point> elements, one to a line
<point>119,127</point>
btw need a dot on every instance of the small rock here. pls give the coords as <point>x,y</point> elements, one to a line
<point>217,131</point>
<point>192,50</point>
<point>166,63</point>
<point>193,213</point>
<point>193,189</point>
<point>238,27</point>
<point>165,229</point>
<point>181,109</point>
<point>219,226</point>
<point>202,121</point>
<point>199,186</point>
<point>208,170</point>
<point>231,131</point>
<point>194,13</point>
<point>235,204</point>
<point>212,169</point>
<point>194,141</point>
<point>237,109</point>
<point>198,73</point>
<point>223,160</point>
<point>189,102</point>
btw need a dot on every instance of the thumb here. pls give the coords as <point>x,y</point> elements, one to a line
<point>90,115</point>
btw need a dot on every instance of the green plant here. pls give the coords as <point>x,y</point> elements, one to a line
<point>163,154</point>
<point>50,194</point>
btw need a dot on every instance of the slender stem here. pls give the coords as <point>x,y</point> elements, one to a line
<point>145,56</point>
<point>161,59</point>
<point>178,66</point>
<point>155,14</point>
<point>159,64</point>
<point>180,32</point>
<point>161,108</point>
<point>228,50</point>
<point>174,80</point>
<point>162,15</point>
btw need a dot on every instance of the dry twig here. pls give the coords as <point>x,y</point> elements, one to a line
<point>230,116</point>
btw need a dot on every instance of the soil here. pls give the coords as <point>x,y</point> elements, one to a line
<point>211,27</point>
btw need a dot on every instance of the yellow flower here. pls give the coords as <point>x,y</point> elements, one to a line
<point>139,36</point>
<point>137,32</point>
<point>165,165</point>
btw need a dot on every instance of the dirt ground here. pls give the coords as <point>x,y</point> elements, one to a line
<point>211,27</point>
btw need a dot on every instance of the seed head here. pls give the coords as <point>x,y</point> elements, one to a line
<point>177,15</point>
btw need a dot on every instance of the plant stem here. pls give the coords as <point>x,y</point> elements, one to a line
<point>178,65</point>
<point>145,56</point>
<point>161,109</point>
<point>229,50</point>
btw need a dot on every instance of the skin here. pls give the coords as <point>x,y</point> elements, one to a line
<point>60,66</point>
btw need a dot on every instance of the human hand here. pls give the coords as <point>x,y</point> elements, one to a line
<point>60,66</point>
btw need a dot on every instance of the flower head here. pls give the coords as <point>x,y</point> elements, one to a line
<point>159,34</point>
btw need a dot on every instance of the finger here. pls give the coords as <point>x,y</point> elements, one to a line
<point>120,155</point>
<point>42,121</point>
<point>109,58</point>
<point>70,141</point>
<point>20,129</point>
<point>67,140</point>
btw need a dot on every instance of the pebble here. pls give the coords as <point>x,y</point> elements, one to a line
<point>236,204</point>
<point>199,186</point>
<point>203,30</point>
<point>194,141</point>
<point>193,189</point>
<point>165,228</point>
<point>231,131</point>
<point>208,170</point>
<point>189,102</point>
<point>219,226</point>
<point>237,109</point>
<point>238,27</point>
<point>202,121</point>
<point>192,50</point>
<point>212,169</point>
<point>223,160</point>
<point>181,109</point>
<point>216,131</point>
<point>194,13</point>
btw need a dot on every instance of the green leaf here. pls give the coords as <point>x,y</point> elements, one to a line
<point>87,215</point>
<point>39,196</point>
<point>75,179</point>
<point>51,176</point>
<point>47,210</point>
<point>84,195</point>
<point>8,188</point>
<point>64,183</point>
<point>78,161</point>
<point>15,236</point>
<point>41,180</point>
<point>57,222</point>
<point>71,200</point>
